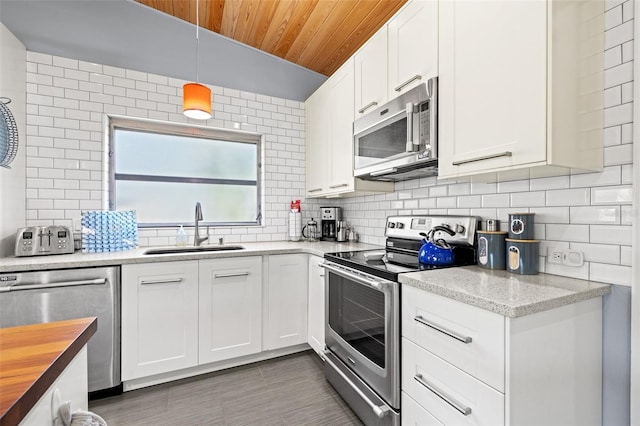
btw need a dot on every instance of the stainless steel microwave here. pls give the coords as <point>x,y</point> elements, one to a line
<point>398,141</point>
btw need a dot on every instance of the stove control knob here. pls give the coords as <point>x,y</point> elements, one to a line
<point>460,229</point>
<point>391,225</point>
<point>399,225</point>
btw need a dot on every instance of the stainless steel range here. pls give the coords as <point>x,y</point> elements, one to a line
<point>362,299</point>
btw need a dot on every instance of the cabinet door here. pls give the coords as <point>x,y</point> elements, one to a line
<point>230,308</point>
<point>317,142</point>
<point>287,318</point>
<point>413,46</point>
<point>371,74</point>
<point>159,318</point>
<point>341,90</point>
<point>493,91</point>
<point>315,329</point>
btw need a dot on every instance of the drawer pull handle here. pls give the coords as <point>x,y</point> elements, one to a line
<point>315,190</point>
<point>341,185</point>
<point>237,274</point>
<point>443,395</point>
<point>484,157</point>
<point>367,106</point>
<point>444,330</point>
<point>414,78</point>
<point>167,281</point>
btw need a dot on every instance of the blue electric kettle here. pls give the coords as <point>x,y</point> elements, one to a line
<point>436,251</point>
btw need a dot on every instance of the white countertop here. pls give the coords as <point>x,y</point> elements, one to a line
<point>83,260</point>
<point>502,292</point>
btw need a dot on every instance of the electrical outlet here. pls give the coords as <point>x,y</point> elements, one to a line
<point>565,257</point>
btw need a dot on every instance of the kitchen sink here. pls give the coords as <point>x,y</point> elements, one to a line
<point>192,249</point>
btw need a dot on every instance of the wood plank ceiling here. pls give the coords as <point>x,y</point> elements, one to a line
<point>316,34</point>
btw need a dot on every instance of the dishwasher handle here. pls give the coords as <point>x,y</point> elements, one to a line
<point>17,287</point>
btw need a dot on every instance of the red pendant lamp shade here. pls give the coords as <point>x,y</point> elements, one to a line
<point>196,101</point>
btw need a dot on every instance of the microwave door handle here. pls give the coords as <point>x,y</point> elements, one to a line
<point>409,112</point>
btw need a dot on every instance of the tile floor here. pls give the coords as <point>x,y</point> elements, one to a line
<point>290,390</point>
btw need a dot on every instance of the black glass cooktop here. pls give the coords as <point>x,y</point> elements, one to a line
<point>388,264</point>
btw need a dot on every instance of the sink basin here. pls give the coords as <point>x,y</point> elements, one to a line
<point>199,249</point>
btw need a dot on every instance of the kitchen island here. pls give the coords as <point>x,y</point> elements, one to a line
<point>32,359</point>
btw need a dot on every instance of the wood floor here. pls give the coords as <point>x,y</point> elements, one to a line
<point>290,390</point>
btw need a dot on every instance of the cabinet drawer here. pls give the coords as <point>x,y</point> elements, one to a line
<point>414,415</point>
<point>449,394</point>
<point>442,325</point>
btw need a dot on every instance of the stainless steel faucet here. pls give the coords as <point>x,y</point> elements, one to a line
<point>197,239</point>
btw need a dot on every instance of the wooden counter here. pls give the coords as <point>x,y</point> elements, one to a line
<point>32,357</point>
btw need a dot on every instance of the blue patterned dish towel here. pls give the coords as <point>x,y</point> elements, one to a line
<point>107,231</point>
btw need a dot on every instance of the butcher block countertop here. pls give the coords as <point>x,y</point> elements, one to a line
<point>31,359</point>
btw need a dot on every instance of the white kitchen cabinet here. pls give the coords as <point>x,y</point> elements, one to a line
<point>413,46</point>
<point>287,299</point>
<point>316,316</point>
<point>543,368</point>
<point>329,140</point>
<point>230,308</point>
<point>71,385</point>
<point>371,74</point>
<point>520,85</point>
<point>159,318</point>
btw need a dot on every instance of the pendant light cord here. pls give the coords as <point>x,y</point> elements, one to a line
<point>197,41</point>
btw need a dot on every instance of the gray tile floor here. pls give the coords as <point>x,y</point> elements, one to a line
<point>290,390</point>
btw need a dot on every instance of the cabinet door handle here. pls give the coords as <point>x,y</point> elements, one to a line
<point>167,281</point>
<point>443,330</point>
<point>339,186</point>
<point>237,274</point>
<point>463,409</point>
<point>315,190</point>
<point>367,106</point>
<point>484,157</point>
<point>412,79</point>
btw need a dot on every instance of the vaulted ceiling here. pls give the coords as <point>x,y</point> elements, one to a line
<point>316,34</point>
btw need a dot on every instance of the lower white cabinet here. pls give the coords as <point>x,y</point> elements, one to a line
<point>316,315</point>
<point>462,365</point>
<point>287,313</point>
<point>230,308</point>
<point>159,318</point>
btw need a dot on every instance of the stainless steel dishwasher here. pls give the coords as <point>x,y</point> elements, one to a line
<point>46,296</point>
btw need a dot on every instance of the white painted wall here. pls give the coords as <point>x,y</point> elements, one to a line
<point>12,181</point>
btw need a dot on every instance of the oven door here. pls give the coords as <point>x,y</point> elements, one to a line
<point>362,327</point>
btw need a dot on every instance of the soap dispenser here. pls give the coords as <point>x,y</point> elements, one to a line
<point>181,237</point>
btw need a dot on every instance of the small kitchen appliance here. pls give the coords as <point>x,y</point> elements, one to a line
<point>342,234</point>
<point>310,231</point>
<point>363,299</point>
<point>43,240</point>
<point>330,216</point>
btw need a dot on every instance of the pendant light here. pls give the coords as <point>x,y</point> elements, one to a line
<point>196,98</point>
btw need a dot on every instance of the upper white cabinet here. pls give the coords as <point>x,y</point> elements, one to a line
<point>287,320</point>
<point>371,74</point>
<point>230,308</point>
<point>159,318</point>
<point>413,46</point>
<point>520,85</point>
<point>329,139</point>
<point>315,329</point>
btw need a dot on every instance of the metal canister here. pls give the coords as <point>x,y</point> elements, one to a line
<point>522,256</point>
<point>492,225</point>
<point>491,249</point>
<point>521,226</point>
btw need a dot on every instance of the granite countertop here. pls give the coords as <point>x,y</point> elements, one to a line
<point>31,359</point>
<point>82,260</point>
<point>502,292</point>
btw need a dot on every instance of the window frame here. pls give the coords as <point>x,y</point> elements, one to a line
<point>114,122</point>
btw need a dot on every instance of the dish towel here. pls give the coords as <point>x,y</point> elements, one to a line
<point>77,418</point>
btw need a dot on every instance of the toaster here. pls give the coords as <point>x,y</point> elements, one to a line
<point>43,240</point>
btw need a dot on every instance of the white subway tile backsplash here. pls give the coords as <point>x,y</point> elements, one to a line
<point>627,51</point>
<point>600,253</point>
<point>608,176</point>
<point>528,199</point>
<point>619,34</point>
<point>616,155</point>
<point>612,274</point>
<point>593,214</point>
<point>609,234</point>
<point>568,232</point>
<point>612,195</point>
<point>568,197</point>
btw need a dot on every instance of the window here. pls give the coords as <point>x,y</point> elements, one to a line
<point>162,169</point>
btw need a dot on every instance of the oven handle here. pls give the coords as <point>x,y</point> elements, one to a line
<point>379,411</point>
<point>375,284</point>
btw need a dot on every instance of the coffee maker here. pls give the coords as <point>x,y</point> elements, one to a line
<point>329,222</point>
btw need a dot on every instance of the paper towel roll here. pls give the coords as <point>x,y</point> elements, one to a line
<point>295,226</point>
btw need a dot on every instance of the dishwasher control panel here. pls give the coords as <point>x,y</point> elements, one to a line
<point>43,240</point>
